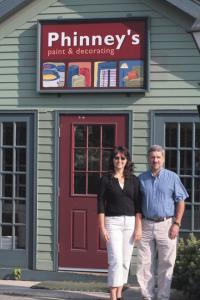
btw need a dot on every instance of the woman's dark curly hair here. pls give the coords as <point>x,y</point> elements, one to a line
<point>128,169</point>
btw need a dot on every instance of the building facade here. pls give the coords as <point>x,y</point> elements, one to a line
<point>55,141</point>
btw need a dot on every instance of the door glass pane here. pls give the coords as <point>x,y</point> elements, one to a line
<point>94,136</point>
<point>186,162</point>
<point>106,159</point>
<point>171,134</point>
<point>197,217</point>
<point>21,159</point>
<point>79,160</point>
<point>197,162</point>
<point>186,221</point>
<point>93,180</point>
<point>186,135</point>
<point>8,133</point>
<point>21,133</point>
<point>93,159</point>
<point>7,210</point>
<point>7,185</point>
<point>20,211</point>
<point>197,135</point>
<point>80,135</point>
<point>7,158</point>
<point>79,183</point>
<point>108,135</point>
<point>171,160</point>
<point>20,237</point>
<point>7,238</point>
<point>20,187</point>
<point>197,189</point>
<point>187,182</point>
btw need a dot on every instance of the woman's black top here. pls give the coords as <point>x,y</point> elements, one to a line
<point>115,201</point>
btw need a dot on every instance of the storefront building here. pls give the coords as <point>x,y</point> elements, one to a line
<point>76,78</point>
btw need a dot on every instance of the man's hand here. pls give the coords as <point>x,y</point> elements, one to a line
<point>173,231</point>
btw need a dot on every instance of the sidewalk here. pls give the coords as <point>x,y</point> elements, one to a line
<point>23,288</point>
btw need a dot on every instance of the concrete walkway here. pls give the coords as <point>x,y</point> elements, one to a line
<point>23,288</point>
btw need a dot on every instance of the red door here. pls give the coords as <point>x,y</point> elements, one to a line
<point>85,145</point>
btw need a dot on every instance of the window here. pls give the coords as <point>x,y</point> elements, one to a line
<point>13,146</point>
<point>180,135</point>
<point>91,152</point>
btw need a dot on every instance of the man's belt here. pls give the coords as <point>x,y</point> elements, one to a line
<point>158,219</point>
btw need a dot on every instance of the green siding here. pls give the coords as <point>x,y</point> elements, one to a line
<point>174,78</point>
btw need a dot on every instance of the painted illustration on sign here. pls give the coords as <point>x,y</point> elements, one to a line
<point>53,75</point>
<point>79,74</point>
<point>105,74</point>
<point>96,55</point>
<point>131,73</point>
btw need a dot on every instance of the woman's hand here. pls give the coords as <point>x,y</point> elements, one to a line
<point>104,233</point>
<point>137,234</point>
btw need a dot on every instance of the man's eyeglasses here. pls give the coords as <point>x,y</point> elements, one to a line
<point>119,157</point>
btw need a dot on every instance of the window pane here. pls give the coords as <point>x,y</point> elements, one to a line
<point>197,162</point>
<point>20,211</point>
<point>186,135</point>
<point>171,135</point>
<point>93,159</point>
<point>108,135</point>
<point>186,162</point>
<point>187,182</point>
<point>21,133</point>
<point>197,217</point>
<point>6,230</point>
<point>197,135</point>
<point>80,135</point>
<point>21,160</point>
<point>79,160</point>
<point>93,182</point>
<point>7,209</point>
<point>106,159</point>
<point>79,183</point>
<point>20,186</point>
<point>20,232</point>
<point>7,239</point>
<point>197,190</point>
<point>7,185</point>
<point>7,158</point>
<point>186,221</point>
<point>94,136</point>
<point>7,133</point>
<point>171,160</point>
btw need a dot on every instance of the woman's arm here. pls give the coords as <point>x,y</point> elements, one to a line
<point>138,227</point>
<point>103,230</point>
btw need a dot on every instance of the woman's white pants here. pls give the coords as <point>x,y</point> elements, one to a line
<point>119,248</point>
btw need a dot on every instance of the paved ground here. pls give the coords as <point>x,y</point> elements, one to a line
<point>18,290</point>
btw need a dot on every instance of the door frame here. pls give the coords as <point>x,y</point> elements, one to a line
<point>58,113</point>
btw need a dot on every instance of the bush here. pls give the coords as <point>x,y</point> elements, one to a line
<point>187,268</point>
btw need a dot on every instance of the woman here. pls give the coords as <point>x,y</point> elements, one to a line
<point>119,214</point>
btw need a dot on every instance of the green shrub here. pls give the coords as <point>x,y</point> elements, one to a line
<point>187,268</point>
<point>16,273</point>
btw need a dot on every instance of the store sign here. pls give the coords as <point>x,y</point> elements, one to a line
<point>97,56</point>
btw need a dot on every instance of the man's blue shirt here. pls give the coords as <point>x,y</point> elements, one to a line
<point>160,193</point>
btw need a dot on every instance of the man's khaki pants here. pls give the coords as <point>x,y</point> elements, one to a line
<point>155,243</point>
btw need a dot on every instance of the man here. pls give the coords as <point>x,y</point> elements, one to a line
<point>163,206</point>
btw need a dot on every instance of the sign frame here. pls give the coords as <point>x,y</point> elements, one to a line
<point>127,73</point>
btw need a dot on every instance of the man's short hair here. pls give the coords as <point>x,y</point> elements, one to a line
<point>158,148</point>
